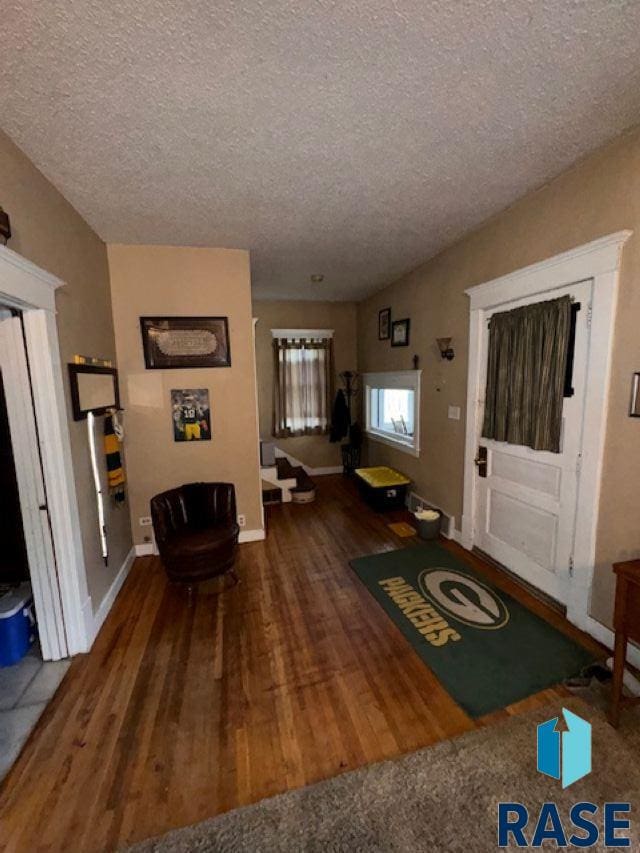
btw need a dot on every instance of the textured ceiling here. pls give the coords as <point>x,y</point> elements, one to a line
<point>352,138</point>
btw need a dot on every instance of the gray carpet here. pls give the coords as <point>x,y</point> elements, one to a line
<point>442,798</point>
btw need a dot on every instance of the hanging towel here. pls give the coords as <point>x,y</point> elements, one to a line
<point>340,420</point>
<point>117,426</point>
<point>115,471</point>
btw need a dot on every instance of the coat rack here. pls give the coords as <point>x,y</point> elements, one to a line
<point>349,380</point>
<point>350,450</point>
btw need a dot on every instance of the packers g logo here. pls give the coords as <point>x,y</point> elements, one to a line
<point>464,598</point>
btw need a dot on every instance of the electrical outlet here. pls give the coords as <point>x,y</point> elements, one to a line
<point>454,413</point>
<point>242,520</point>
<point>144,521</point>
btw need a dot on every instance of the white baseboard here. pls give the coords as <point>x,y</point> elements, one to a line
<point>252,535</point>
<point>312,472</point>
<point>605,636</point>
<point>95,622</point>
<point>88,622</point>
<point>327,469</point>
<point>586,623</point>
<point>148,549</point>
<point>466,534</point>
<point>455,535</point>
<point>107,602</point>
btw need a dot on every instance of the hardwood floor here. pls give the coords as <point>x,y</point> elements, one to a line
<point>186,709</point>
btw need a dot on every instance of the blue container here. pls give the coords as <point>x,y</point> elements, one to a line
<point>17,625</point>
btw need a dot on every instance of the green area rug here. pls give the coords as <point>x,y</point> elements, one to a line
<point>486,648</point>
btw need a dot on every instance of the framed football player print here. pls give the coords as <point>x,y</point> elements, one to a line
<point>191,414</point>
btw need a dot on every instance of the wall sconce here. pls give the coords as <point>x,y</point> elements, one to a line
<point>446,350</point>
<point>5,227</point>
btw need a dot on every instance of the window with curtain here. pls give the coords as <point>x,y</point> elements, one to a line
<point>526,371</point>
<point>303,379</point>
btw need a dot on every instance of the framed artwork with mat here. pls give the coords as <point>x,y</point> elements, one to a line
<point>400,333</point>
<point>179,342</point>
<point>384,324</point>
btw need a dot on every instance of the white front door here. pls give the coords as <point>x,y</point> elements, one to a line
<point>526,499</point>
<point>33,498</point>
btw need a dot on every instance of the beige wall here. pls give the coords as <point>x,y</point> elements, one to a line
<point>314,450</point>
<point>160,281</point>
<point>48,231</point>
<point>598,196</point>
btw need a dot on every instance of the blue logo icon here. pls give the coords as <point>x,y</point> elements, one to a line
<point>565,754</point>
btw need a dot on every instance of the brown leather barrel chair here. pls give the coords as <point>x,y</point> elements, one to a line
<point>196,531</point>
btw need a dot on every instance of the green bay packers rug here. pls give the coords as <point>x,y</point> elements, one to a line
<point>486,648</point>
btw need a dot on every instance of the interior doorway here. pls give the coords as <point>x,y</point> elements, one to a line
<point>33,506</point>
<point>32,373</point>
<point>14,563</point>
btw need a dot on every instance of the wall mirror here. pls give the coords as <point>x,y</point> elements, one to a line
<point>93,389</point>
<point>634,409</point>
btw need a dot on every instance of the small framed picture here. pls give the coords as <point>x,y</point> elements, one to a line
<point>634,409</point>
<point>191,414</point>
<point>384,324</point>
<point>400,333</point>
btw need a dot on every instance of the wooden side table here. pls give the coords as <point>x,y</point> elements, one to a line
<point>626,623</point>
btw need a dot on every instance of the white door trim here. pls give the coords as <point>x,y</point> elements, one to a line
<point>600,262</point>
<point>31,490</point>
<point>25,286</point>
<point>261,532</point>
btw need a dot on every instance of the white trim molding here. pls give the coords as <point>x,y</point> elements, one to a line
<point>254,363</point>
<point>598,262</point>
<point>308,469</point>
<point>107,602</point>
<point>606,636</point>
<point>149,549</point>
<point>252,535</point>
<point>31,490</point>
<point>384,438</point>
<point>41,335</point>
<point>25,286</point>
<point>295,334</point>
<point>592,260</point>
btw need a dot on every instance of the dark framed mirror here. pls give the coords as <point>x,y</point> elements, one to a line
<point>93,389</point>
